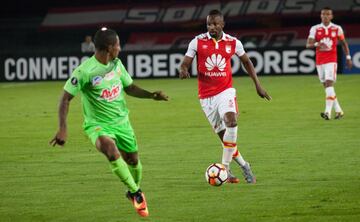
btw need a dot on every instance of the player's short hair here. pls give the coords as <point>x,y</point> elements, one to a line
<point>326,8</point>
<point>104,37</point>
<point>216,12</point>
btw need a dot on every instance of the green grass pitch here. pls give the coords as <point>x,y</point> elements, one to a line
<point>307,168</point>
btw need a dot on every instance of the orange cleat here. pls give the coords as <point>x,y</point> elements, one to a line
<point>139,202</point>
<point>233,179</point>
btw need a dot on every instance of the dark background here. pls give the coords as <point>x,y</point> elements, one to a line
<point>20,24</point>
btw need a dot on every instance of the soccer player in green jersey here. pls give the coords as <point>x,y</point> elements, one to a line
<point>102,80</point>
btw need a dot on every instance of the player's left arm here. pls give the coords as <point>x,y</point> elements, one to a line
<point>136,91</point>
<point>346,50</point>
<point>251,71</point>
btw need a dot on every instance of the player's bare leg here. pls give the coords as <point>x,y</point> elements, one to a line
<point>107,146</point>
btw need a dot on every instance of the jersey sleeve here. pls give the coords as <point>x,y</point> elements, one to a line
<point>125,76</point>
<point>75,83</point>
<point>192,49</point>
<point>312,32</point>
<point>340,33</point>
<point>239,48</point>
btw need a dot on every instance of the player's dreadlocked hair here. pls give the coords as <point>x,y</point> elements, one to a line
<point>216,12</point>
<point>104,37</point>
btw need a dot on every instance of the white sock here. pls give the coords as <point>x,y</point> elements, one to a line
<point>230,135</point>
<point>229,145</point>
<point>238,158</point>
<point>337,106</point>
<point>330,97</point>
<point>227,155</point>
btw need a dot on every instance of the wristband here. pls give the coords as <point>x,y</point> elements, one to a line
<point>348,57</point>
<point>316,44</point>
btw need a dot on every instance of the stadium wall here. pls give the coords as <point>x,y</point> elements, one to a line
<point>160,64</point>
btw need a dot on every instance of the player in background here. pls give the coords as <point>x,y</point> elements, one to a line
<point>214,50</point>
<point>324,38</point>
<point>102,80</point>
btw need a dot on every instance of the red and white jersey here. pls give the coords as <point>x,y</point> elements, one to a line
<point>328,35</point>
<point>214,62</point>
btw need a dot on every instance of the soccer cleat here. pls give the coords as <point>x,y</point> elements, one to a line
<point>339,115</point>
<point>248,174</point>
<point>325,116</point>
<point>232,179</point>
<point>139,202</point>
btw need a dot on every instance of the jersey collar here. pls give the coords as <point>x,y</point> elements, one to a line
<point>326,27</point>
<point>222,38</point>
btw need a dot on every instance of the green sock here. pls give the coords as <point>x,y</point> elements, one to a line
<point>136,172</point>
<point>120,169</point>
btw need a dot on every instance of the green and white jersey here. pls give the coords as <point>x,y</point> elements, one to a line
<point>101,88</point>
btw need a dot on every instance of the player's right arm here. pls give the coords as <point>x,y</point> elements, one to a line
<point>311,42</point>
<point>60,136</point>
<point>72,86</point>
<point>188,58</point>
<point>184,67</point>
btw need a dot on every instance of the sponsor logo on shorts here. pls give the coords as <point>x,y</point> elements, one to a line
<point>231,103</point>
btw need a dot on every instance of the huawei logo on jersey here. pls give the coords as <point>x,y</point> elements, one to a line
<point>215,60</point>
<point>328,42</point>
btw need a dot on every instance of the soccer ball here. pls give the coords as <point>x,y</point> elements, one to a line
<point>216,174</point>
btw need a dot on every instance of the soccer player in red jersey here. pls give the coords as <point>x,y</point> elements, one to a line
<point>214,50</point>
<point>324,38</point>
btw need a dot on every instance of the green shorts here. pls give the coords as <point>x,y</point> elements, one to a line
<point>123,134</point>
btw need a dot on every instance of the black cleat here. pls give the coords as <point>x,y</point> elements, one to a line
<point>325,116</point>
<point>339,115</point>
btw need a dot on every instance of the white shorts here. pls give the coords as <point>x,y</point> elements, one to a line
<point>216,106</point>
<point>327,71</point>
